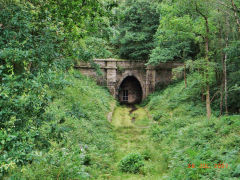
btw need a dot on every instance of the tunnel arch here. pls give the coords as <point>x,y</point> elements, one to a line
<point>130,90</point>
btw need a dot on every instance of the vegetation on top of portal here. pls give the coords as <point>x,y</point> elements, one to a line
<point>136,25</point>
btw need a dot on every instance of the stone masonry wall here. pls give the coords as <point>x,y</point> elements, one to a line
<point>115,71</point>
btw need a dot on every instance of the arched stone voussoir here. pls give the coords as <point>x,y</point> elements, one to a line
<point>135,75</point>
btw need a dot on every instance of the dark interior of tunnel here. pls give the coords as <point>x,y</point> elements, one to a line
<point>130,91</point>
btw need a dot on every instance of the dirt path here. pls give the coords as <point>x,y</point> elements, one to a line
<point>131,125</point>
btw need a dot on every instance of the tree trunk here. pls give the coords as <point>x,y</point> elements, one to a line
<point>236,15</point>
<point>208,101</point>
<point>225,69</point>
<point>222,74</point>
<point>222,88</point>
<point>225,81</point>
<point>185,76</point>
<point>221,100</point>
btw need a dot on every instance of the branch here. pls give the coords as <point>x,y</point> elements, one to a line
<point>222,10</point>
<point>225,5</point>
<point>215,95</point>
<point>235,14</point>
<point>227,13</point>
<point>197,10</point>
<point>206,20</point>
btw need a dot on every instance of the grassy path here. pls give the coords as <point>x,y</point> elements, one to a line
<point>131,126</point>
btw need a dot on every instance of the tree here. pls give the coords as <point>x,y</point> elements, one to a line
<point>138,23</point>
<point>185,32</point>
<point>38,42</point>
<point>228,37</point>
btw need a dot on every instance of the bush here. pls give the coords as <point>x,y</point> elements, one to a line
<point>157,116</point>
<point>146,154</point>
<point>131,163</point>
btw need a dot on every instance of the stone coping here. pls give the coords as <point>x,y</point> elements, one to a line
<point>119,60</point>
<point>129,65</point>
<point>139,61</point>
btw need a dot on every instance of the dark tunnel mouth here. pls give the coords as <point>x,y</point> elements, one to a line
<point>130,91</point>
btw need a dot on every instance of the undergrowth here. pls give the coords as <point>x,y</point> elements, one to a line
<point>77,133</point>
<point>188,140</point>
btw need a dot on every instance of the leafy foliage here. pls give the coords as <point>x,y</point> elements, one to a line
<point>137,25</point>
<point>74,138</point>
<point>198,31</point>
<point>186,136</point>
<point>234,74</point>
<point>131,163</point>
<point>175,39</point>
<point>40,41</point>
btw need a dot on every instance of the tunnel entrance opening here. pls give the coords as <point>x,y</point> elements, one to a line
<point>130,91</point>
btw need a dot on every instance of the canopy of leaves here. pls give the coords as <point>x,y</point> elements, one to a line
<point>138,23</point>
<point>181,32</point>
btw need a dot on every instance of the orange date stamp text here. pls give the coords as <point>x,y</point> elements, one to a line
<point>207,166</point>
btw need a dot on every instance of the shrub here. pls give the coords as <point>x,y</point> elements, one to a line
<point>146,154</point>
<point>131,163</point>
<point>157,116</point>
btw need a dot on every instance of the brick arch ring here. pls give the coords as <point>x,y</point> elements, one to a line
<point>129,74</point>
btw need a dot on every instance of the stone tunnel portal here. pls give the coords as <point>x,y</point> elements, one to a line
<point>130,91</point>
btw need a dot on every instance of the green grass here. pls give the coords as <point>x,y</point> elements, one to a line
<point>131,137</point>
<point>121,117</point>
